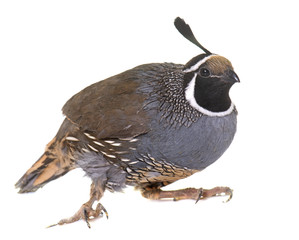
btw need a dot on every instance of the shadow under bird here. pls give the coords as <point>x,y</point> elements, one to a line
<point>146,127</point>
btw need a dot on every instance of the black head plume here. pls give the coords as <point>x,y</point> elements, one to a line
<point>186,31</point>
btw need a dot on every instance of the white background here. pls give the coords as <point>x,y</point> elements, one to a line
<point>49,50</point>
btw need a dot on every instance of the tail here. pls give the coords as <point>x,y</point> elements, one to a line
<point>47,168</point>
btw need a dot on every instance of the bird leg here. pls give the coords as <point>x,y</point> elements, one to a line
<point>187,193</point>
<point>86,212</point>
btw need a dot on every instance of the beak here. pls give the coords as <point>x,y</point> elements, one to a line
<point>231,76</point>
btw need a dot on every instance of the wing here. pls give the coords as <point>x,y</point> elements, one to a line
<point>112,108</point>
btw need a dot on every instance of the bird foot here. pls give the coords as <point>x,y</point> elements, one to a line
<point>86,213</point>
<point>188,193</point>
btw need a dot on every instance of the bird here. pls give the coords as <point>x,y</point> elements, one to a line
<point>146,127</point>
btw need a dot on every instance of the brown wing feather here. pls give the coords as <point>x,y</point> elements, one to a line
<point>112,108</point>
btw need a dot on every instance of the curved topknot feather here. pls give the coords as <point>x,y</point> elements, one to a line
<point>186,31</point>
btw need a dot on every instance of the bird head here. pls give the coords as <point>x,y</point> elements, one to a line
<point>208,78</point>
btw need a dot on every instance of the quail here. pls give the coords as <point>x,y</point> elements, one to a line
<point>146,127</point>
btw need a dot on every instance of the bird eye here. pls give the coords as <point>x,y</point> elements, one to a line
<point>204,72</point>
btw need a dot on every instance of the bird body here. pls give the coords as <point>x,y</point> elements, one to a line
<point>146,127</point>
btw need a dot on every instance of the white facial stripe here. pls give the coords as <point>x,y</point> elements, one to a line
<point>196,66</point>
<point>189,94</point>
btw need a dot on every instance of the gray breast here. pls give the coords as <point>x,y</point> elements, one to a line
<point>195,147</point>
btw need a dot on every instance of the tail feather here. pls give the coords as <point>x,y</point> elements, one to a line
<point>47,168</point>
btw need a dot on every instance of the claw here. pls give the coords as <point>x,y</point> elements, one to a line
<point>85,213</point>
<point>52,225</point>
<point>100,207</point>
<point>86,218</point>
<point>230,195</point>
<point>199,195</point>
